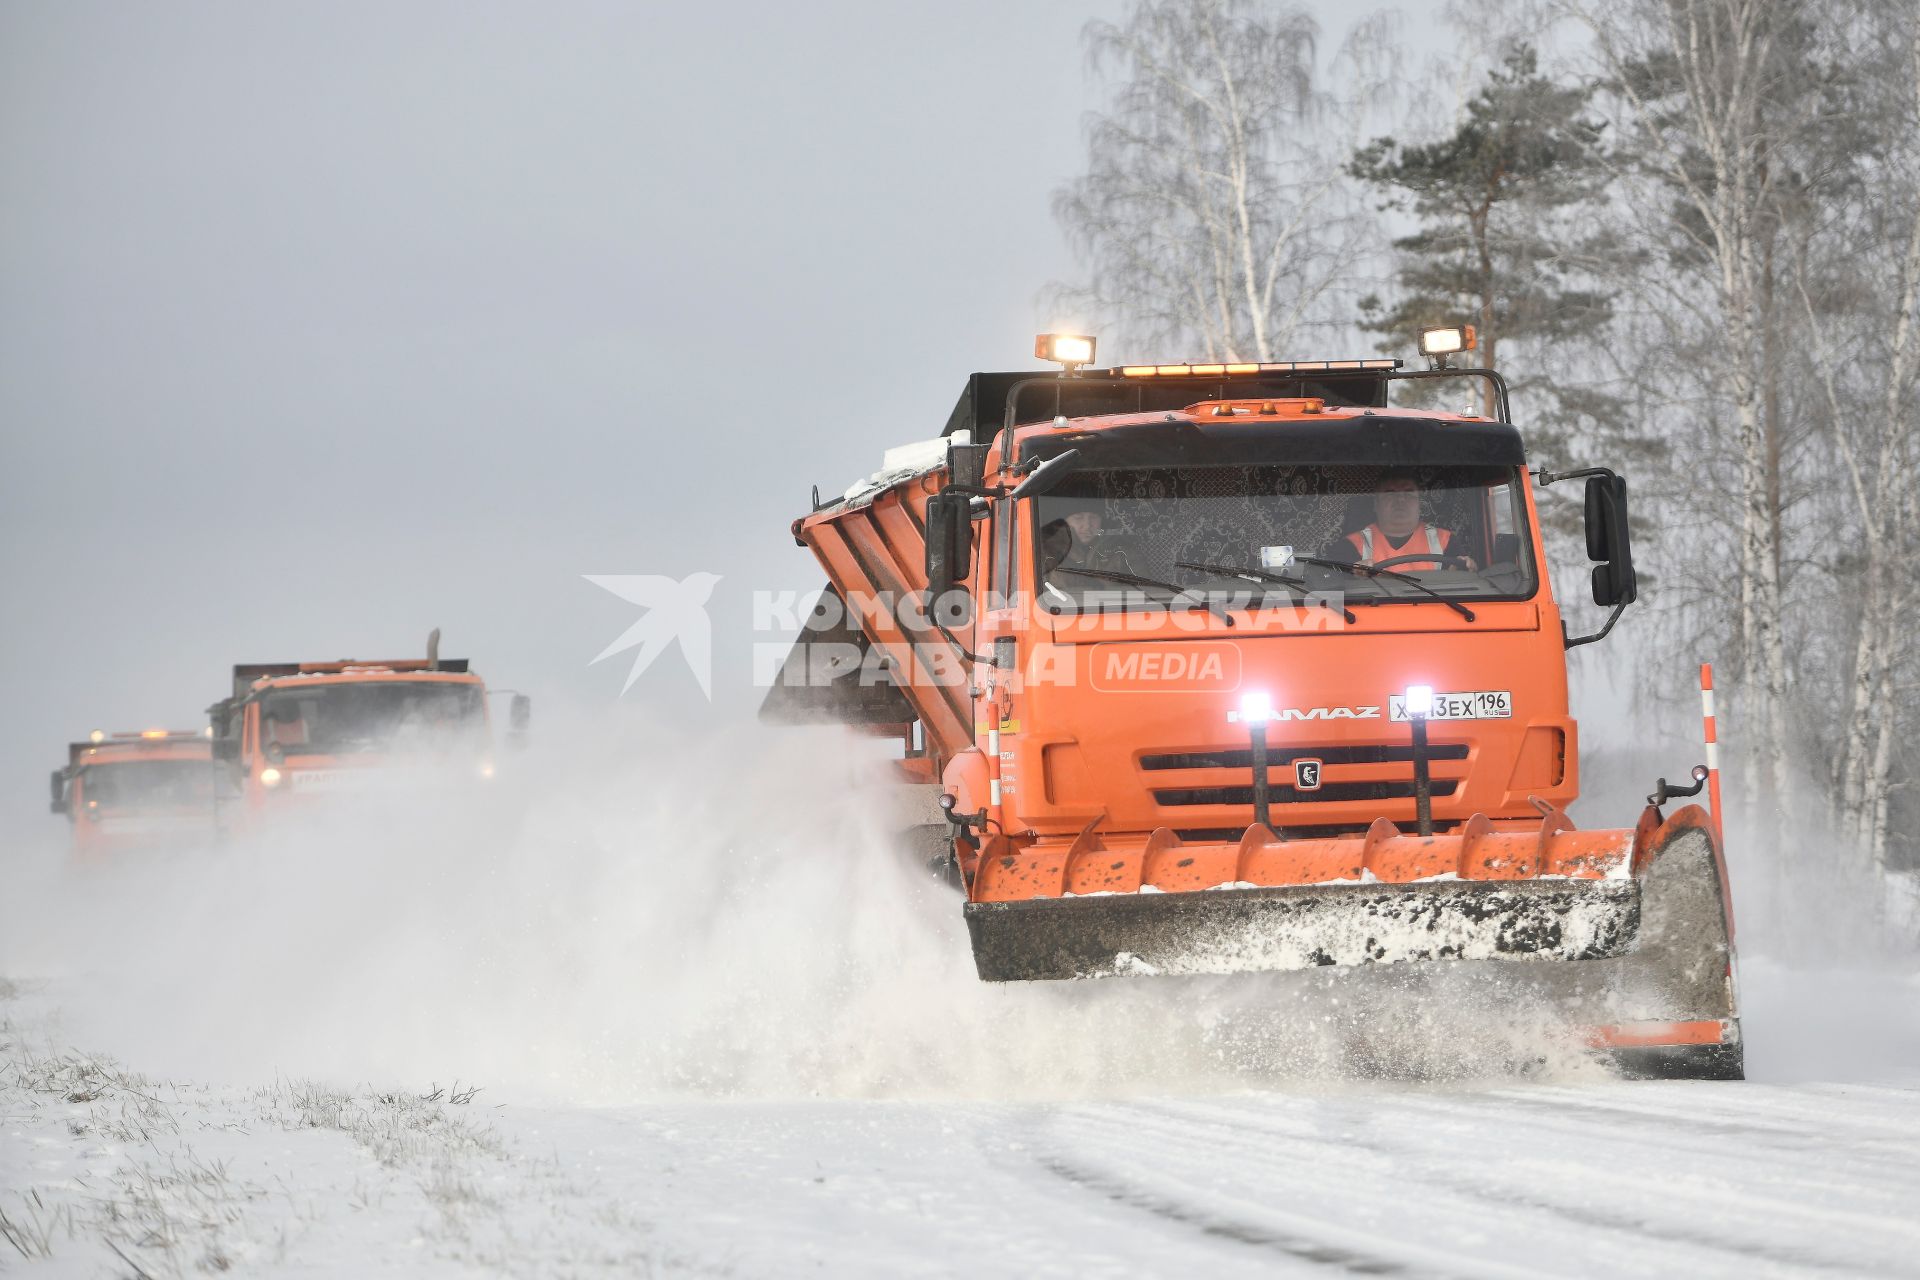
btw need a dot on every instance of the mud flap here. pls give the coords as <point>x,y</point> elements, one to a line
<point>1302,927</point>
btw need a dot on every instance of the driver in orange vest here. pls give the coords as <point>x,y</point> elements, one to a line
<point>1397,529</point>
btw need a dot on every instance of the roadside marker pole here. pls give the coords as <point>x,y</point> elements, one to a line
<point>1713,749</point>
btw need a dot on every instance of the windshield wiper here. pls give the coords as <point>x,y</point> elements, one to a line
<point>1182,595</point>
<point>1261,575</point>
<point>1368,571</point>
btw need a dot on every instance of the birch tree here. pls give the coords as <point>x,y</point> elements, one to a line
<point>1862,317</point>
<point>1214,217</point>
<point>1713,93</point>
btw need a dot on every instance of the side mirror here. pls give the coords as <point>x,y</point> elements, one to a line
<point>949,541</point>
<point>1608,542</point>
<point>519,716</point>
<point>227,749</point>
<point>967,465</point>
<point>59,791</point>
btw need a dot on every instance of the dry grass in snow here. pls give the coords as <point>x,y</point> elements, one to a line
<point>158,1178</point>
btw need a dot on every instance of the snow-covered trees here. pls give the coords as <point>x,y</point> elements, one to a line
<point>1489,246</point>
<point>1773,183</point>
<point>1709,106</point>
<point>1861,316</point>
<point>1700,220</point>
<point>1214,216</point>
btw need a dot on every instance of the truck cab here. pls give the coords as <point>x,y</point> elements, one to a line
<point>1127,556</point>
<point>295,733</point>
<point>136,793</point>
<point>1244,549</point>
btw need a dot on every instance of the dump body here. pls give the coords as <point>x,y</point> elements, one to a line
<point>136,793</point>
<point>293,735</point>
<point>1180,564</point>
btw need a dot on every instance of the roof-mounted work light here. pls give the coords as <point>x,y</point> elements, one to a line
<point>1437,344</point>
<point>1069,349</point>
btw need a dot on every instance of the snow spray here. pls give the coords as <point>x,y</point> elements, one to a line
<point>733,917</point>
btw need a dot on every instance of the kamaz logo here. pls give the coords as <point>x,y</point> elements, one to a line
<point>1327,713</point>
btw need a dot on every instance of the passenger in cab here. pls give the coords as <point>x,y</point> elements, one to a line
<point>1079,541</point>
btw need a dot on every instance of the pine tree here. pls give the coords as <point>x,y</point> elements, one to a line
<point>1493,248</point>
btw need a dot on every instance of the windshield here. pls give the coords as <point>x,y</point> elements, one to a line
<point>147,785</point>
<point>340,718</point>
<point>1459,532</point>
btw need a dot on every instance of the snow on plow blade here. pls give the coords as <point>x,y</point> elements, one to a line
<point>1640,916</point>
<point>1302,927</point>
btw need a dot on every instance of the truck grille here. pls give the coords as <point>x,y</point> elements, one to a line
<point>1279,756</point>
<point>1392,781</point>
<point>1282,792</point>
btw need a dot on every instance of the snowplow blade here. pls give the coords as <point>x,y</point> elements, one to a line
<point>1156,903</point>
<point>1302,927</point>
<point>1637,959</point>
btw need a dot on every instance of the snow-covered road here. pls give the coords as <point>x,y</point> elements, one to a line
<point>102,1169</point>
<point>769,1056</point>
<point>1665,1179</point>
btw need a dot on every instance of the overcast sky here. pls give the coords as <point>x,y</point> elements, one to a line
<point>322,325</point>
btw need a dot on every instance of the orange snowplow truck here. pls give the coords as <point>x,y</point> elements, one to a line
<point>136,792</point>
<point>305,730</point>
<point>1225,667</point>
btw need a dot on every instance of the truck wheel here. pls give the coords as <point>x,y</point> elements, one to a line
<point>931,845</point>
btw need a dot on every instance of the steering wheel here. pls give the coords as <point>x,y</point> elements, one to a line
<point>1424,557</point>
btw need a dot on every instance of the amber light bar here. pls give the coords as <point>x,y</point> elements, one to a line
<point>1270,366</point>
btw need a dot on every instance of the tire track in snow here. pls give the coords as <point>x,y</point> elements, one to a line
<point>1334,1178</point>
<point>1135,1196</point>
<point>1879,1166</point>
<point>1643,1224</point>
<point>1745,1107</point>
<point>1135,1173</point>
<point>1714,1187</point>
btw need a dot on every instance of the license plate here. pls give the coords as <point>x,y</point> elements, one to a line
<point>320,781</point>
<point>1481,704</point>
